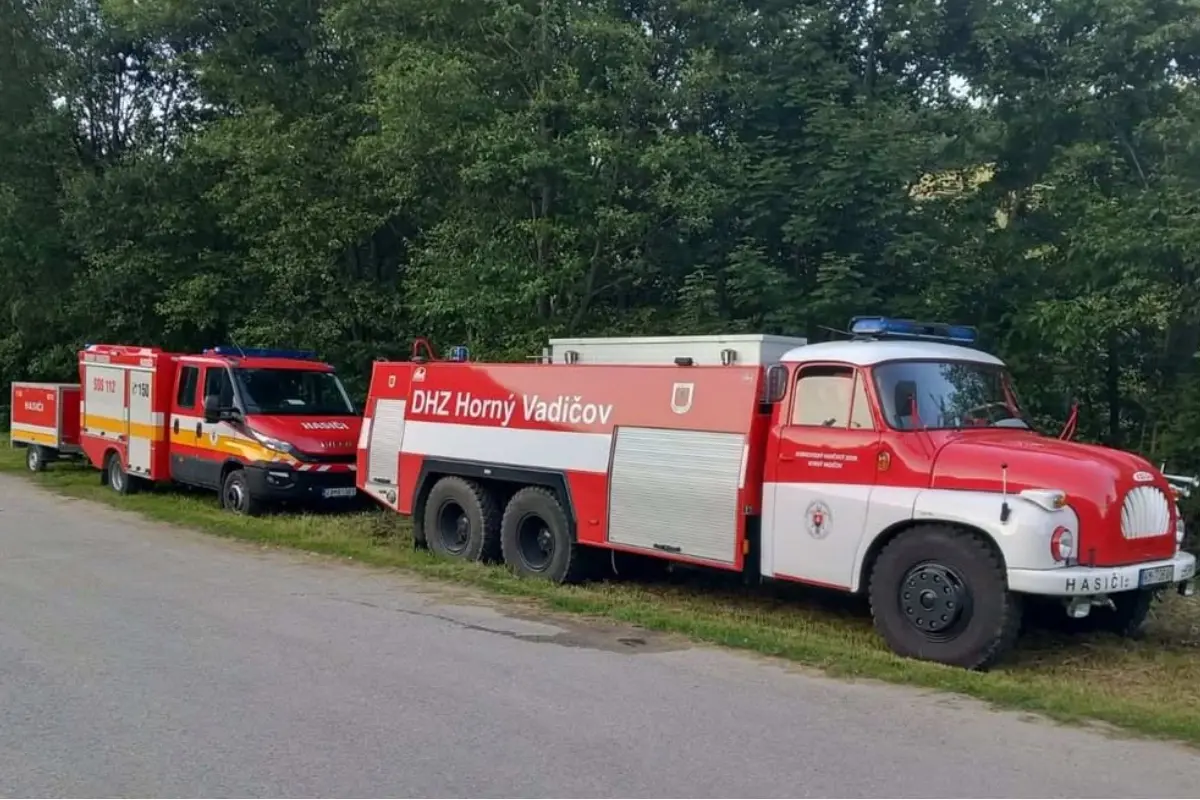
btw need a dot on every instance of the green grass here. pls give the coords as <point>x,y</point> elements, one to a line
<point>1150,686</point>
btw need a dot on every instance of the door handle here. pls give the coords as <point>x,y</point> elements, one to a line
<point>787,457</point>
<point>199,426</point>
<point>176,425</point>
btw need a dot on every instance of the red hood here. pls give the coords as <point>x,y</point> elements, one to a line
<point>1096,480</point>
<point>332,436</point>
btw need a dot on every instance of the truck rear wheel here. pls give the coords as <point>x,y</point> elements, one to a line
<point>940,594</point>
<point>118,479</point>
<point>462,520</point>
<point>537,539</point>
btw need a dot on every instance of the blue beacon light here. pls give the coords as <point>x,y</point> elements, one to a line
<point>906,328</point>
<point>262,352</point>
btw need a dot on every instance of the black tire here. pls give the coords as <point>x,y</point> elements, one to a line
<point>537,540</point>
<point>1127,620</point>
<point>237,497</point>
<point>462,520</point>
<point>35,458</point>
<point>117,478</point>
<point>961,611</point>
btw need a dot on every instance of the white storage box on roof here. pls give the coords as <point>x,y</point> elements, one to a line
<point>717,349</point>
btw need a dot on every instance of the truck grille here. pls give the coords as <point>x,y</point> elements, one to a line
<point>1145,513</point>
<point>325,458</point>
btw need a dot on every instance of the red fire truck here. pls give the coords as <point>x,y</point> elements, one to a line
<point>895,463</point>
<point>258,426</point>
<point>45,421</point>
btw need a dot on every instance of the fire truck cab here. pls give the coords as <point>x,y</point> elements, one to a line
<point>258,426</point>
<point>897,463</point>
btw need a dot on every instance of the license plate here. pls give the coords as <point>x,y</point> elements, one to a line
<point>340,492</point>
<point>1151,576</point>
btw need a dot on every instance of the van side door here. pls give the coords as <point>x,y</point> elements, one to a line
<point>185,425</point>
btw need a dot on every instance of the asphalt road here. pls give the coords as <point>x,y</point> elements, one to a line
<point>140,660</point>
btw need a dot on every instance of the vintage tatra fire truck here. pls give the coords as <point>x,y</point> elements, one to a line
<point>895,463</point>
<point>258,426</point>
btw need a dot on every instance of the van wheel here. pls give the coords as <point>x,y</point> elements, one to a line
<point>537,540</point>
<point>940,594</point>
<point>236,496</point>
<point>462,520</point>
<point>119,480</point>
<point>35,458</point>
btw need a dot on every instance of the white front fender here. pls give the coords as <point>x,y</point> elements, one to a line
<point>1023,540</point>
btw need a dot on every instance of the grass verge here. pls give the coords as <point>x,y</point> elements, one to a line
<point>1150,686</point>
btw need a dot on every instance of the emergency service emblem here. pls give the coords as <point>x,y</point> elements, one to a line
<point>817,518</point>
<point>681,397</point>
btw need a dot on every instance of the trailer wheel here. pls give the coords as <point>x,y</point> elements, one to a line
<point>462,520</point>
<point>940,594</point>
<point>236,495</point>
<point>118,479</point>
<point>537,540</point>
<point>35,458</point>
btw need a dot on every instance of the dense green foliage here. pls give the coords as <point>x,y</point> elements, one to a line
<point>347,174</point>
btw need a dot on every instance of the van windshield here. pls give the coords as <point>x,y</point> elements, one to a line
<point>296,392</point>
<point>946,394</point>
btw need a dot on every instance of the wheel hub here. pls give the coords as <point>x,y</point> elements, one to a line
<point>454,527</point>
<point>234,497</point>
<point>536,543</point>
<point>934,599</point>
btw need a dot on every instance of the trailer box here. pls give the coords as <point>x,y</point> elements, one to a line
<point>45,421</point>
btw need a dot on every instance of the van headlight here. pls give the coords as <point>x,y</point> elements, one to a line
<point>271,443</point>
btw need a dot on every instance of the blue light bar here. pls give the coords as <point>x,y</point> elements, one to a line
<point>261,352</point>
<point>459,353</point>
<point>881,327</point>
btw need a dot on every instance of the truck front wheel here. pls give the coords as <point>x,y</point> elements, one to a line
<point>1127,620</point>
<point>939,594</point>
<point>236,495</point>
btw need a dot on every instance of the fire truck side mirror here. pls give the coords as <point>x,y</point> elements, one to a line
<point>212,408</point>
<point>777,375</point>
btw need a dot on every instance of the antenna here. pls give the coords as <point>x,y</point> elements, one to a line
<point>1005,509</point>
<point>238,346</point>
<point>837,331</point>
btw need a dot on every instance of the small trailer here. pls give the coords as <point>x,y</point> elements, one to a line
<point>45,421</point>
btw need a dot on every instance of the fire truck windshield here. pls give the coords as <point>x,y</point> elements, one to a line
<point>946,394</point>
<point>292,391</point>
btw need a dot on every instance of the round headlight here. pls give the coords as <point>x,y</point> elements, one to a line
<point>1062,544</point>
